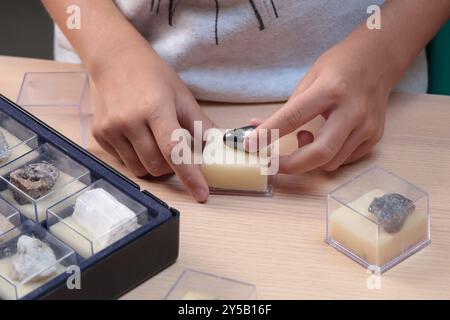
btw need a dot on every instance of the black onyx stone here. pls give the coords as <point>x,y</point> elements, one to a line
<point>391,210</point>
<point>4,148</point>
<point>235,138</point>
<point>36,180</point>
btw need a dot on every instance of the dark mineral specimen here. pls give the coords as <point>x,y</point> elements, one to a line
<point>4,148</point>
<point>391,211</point>
<point>235,138</point>
<point>36,180</point>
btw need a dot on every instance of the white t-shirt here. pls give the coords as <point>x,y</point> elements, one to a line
<point>246,50</point>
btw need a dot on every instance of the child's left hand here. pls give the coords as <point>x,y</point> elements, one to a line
<point>350,90</point>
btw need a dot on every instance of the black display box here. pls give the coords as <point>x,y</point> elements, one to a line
<point>128,262</point>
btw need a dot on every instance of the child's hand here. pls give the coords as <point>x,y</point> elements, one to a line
<point>351,93</point>
<point>140,101</point>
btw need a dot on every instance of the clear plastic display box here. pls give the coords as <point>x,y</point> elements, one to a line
<point>196,285</point>
<point>22,273</point>
<point>71,177</point>
<point>157,238</point>
<point>9,217</point>
<point>233,171</point>
<point>62,224</point>
<point>60,98</point>
<point>378,219</point>
<point>15,139</point>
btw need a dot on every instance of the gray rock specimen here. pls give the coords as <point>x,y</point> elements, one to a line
<point>235,138</point>
<point>36,180</point>
<point>391,210</point>
<point>32,256</point>
<point>4,148</point>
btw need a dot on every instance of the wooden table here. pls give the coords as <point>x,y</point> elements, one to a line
<point>278,243</point>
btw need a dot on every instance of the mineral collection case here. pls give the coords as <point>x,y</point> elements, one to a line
<point>106,272</point>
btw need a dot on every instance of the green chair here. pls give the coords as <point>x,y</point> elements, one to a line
<point>438,53</point>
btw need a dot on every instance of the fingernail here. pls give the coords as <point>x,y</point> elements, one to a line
<point>251,142</point>
<point>200,195</point>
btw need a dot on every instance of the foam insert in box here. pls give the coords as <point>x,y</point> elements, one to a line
<point>232,171</point>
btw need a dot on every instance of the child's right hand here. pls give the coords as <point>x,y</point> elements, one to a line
<point>140,101</point>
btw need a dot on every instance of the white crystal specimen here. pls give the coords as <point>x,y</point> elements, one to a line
<point>32,256</point>
<point>103,216</point>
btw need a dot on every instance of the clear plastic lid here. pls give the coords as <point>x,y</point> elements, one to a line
<point>15,140</point>
<point>196,285</point>
<point>60,98</point>
<point>378,219</point>
<point>82,220</point>
<point>63,177</point>
<point>29,258</point>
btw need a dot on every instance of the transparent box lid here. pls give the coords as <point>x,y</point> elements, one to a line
<point>15,139</point>
<point>17,176</point>
<point>233,171</point>
<point>26,263</point>
<point>60,98</point>
<point>78,233</point>
<point>196,285</point>
<point>378,219</point>
<point>9,217</point>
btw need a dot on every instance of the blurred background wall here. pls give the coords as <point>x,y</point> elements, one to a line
<point>25,29</point>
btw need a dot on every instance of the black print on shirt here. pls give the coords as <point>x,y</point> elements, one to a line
<point>155,6</point>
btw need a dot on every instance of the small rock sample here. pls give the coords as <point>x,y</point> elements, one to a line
<point>391,210</point>
<point>4,148</point>
<point>103,216</point>
<point>31,257</point>
<point>235,138</point>
<point>36,180</point>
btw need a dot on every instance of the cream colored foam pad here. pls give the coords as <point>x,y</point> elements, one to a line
<point>244,176</point>
<point>78,239</point>
<point>5,225</point>
<point>197,295</point>
<point>61,191</point>
<point>17,147</point>
<point>358,233</point>
<point>7,291</point>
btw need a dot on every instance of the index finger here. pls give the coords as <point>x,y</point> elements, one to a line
<point>162,127</point>
<point>299,110</point>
